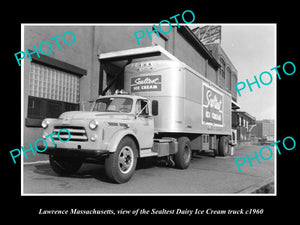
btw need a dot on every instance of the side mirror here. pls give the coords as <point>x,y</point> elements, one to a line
<point>154,107</point>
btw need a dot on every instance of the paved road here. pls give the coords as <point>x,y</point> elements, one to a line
<point>206,174</point>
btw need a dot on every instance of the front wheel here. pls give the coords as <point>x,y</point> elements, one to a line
<point>120,165</point>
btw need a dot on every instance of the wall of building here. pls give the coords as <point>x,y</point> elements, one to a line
<point>117,38</point>
<point>231,72</point>
<point>264,128</point>
<point>79,54</point>
<point>242,123</point>
<point>189,55</point>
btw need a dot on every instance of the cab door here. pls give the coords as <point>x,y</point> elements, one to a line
<point>144,124</point>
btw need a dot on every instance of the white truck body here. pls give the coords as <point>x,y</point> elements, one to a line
<point>188,102</point>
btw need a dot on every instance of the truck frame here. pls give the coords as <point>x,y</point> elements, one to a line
<point>168,111</point>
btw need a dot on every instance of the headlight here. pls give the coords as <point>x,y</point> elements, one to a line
<point>93,124</point>
<point>45,123</point>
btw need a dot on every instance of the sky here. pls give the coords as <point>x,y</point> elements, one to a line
<point>252,50</point>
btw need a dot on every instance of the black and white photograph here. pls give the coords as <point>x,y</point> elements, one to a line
<point>172,114</point>
<point>99,109</point>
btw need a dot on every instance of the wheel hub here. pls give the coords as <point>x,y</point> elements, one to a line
<point>125,160</point>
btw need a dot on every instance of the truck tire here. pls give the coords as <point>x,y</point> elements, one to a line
<point>183,156</point>
<point>120,165</point>
<point>63,165</point>
<point>216,149</point>
<point>224,146</point>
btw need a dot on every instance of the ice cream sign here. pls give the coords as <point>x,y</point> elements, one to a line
<point>146,83</point>
<point>212,108</point>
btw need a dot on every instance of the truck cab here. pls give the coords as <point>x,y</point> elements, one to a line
<point>126,112</point>
<point>117,128</point>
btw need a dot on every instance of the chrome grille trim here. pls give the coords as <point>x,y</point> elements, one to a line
<point>77,133</point>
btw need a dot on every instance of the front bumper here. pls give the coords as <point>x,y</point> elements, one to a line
<point>71,152</point>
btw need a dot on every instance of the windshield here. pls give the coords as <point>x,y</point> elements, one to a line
<point>113,104</point>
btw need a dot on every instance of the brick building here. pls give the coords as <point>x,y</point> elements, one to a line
<point>264,129</point>
<point>244,123</point>
<point>228,74</point>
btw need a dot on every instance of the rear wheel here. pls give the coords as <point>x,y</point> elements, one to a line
<point>64,165</point>
<point>224,146</point>
<point>183,156</point>
<point>120,165</point>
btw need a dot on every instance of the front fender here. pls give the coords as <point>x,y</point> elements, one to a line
<point>118,136</point>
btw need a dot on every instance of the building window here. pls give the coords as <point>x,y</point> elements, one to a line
<point>51,92</point>
<point>233,79</point>
<point>222,68</point>
<point>228,78</point>
<point>233,82</point>
<point>46,82</point>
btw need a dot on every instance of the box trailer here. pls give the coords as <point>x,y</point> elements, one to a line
<point>188,102</point>
<point>167,110</point>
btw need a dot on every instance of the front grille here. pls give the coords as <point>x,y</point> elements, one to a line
<point>77,133</point>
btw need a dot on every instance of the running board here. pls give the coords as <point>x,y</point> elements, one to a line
<point>147,153</point>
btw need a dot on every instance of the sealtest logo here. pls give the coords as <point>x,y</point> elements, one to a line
<point>212,109</point>
<point>146,83</point>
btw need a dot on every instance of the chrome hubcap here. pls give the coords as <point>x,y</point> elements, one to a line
<point>125,159</point>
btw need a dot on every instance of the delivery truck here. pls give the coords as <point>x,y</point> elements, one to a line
<point>166,110</point>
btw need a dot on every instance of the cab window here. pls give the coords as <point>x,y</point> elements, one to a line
<point>142,104</point>
<point>113,104</point>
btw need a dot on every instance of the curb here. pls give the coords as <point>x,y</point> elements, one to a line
<point>253,188</point>
<point>36,162</point>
